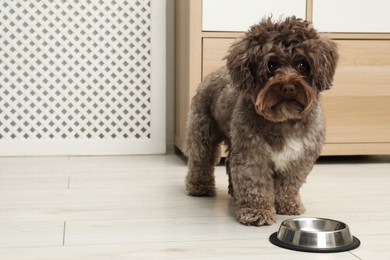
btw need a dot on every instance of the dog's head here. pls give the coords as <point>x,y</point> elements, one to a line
<point>283,67</point>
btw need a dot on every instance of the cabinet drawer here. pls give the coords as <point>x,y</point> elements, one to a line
<point>357,108</point>
<point>214,50</point>
<point>357,119</point>
<point>239,15</point>
<point>352,16</point>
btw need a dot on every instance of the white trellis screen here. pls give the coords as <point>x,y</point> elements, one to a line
<point>82,77</point>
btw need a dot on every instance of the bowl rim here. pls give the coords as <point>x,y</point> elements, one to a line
<point>346,227</point>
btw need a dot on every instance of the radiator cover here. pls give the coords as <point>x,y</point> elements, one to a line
<point>82,77</point>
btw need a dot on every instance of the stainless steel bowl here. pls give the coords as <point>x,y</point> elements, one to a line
<point>314,235</point>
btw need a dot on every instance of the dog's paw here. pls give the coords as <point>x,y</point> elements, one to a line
<point>289,207</point>
<point>200,190</point>
<point>255,217</point>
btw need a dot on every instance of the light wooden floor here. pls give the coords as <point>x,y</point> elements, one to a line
<point>135,208</point>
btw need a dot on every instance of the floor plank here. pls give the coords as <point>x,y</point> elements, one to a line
<point>31,234</point>
<point>227,249</point>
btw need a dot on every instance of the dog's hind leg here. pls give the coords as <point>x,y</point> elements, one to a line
<point>202,150</point>
<point>230,187</point>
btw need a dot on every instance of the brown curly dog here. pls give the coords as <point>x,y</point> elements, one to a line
<point>264,105</point>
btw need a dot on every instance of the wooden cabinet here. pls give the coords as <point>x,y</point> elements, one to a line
<point>357,108</point>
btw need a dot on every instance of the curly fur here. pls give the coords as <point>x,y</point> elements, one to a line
<point>264,105</point>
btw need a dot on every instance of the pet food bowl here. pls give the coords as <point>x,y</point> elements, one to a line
<point>314,235</point>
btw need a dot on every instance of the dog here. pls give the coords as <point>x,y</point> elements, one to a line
<point>264,105</point>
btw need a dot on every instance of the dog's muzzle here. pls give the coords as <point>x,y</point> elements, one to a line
<point>285,96</point>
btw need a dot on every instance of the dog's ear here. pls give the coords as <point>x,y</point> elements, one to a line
<point>241,65</point>
<point>325,63</point>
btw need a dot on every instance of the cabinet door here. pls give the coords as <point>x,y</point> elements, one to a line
<point>239,15</point>
<point>352,16</point>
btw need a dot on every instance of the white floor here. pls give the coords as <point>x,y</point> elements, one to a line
<point>135,208</point>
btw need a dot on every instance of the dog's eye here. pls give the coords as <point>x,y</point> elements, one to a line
<point>303,67</point>
<point>273,66</point>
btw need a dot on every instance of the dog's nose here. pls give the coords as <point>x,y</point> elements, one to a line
<point>288,89</point>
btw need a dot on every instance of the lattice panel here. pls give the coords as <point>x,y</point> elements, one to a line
<point>75,69</point>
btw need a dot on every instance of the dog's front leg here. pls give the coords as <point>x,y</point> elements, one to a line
<point>254,193</point>
<point>287,199</point>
